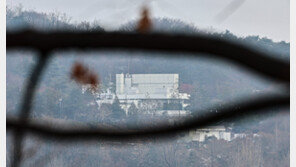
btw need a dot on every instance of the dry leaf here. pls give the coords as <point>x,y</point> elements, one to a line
<point>144,24</point>
<point>93,81</point>
<point>84,76</point>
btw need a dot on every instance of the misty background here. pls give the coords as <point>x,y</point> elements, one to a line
<point>269,19</point>
<point>211,83</point>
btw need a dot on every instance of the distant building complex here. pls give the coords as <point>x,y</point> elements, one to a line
<point>158,94</point>
<point>153,93</point>
<point>150,93</point>
<point>218,132</point>
<point>202,134</point>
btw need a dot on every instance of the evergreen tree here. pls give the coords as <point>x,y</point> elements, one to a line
<point>117,111</point>
<point>133,110</point>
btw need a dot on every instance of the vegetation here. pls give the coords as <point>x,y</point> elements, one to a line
<point>213,84</point>
<point>117,111</point>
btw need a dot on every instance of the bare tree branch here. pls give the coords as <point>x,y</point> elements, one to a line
<point>233,6</point>
<point>255,61</point>
<point>213,47</point>
<point>232,112</point>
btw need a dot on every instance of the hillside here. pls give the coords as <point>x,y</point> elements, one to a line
<point>214,82</point>
<point>59,101</point>
<point>174,26</point>
<point>18,18</point>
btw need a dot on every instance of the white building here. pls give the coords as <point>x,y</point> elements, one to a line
<point>151,92</point>
<point>218,132</point>
<point>106,97</point>
<point>144,86</point>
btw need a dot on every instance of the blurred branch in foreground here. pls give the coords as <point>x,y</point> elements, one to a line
<point>230,113</point>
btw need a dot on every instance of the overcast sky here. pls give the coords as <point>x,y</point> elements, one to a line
<point>266,18</point>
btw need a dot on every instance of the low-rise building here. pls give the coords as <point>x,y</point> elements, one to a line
<point>200,135</point>
<point>152,93</point>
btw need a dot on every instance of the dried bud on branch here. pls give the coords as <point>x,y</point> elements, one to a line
<point>84,76</point>
<point>144,24</point>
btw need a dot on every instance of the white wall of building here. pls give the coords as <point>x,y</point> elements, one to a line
<point>218,132</point>
<point>147,86</point>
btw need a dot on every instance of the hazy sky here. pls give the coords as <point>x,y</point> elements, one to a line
<point>266,18</point>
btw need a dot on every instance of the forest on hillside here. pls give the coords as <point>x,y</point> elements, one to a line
<point>210,83</point>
